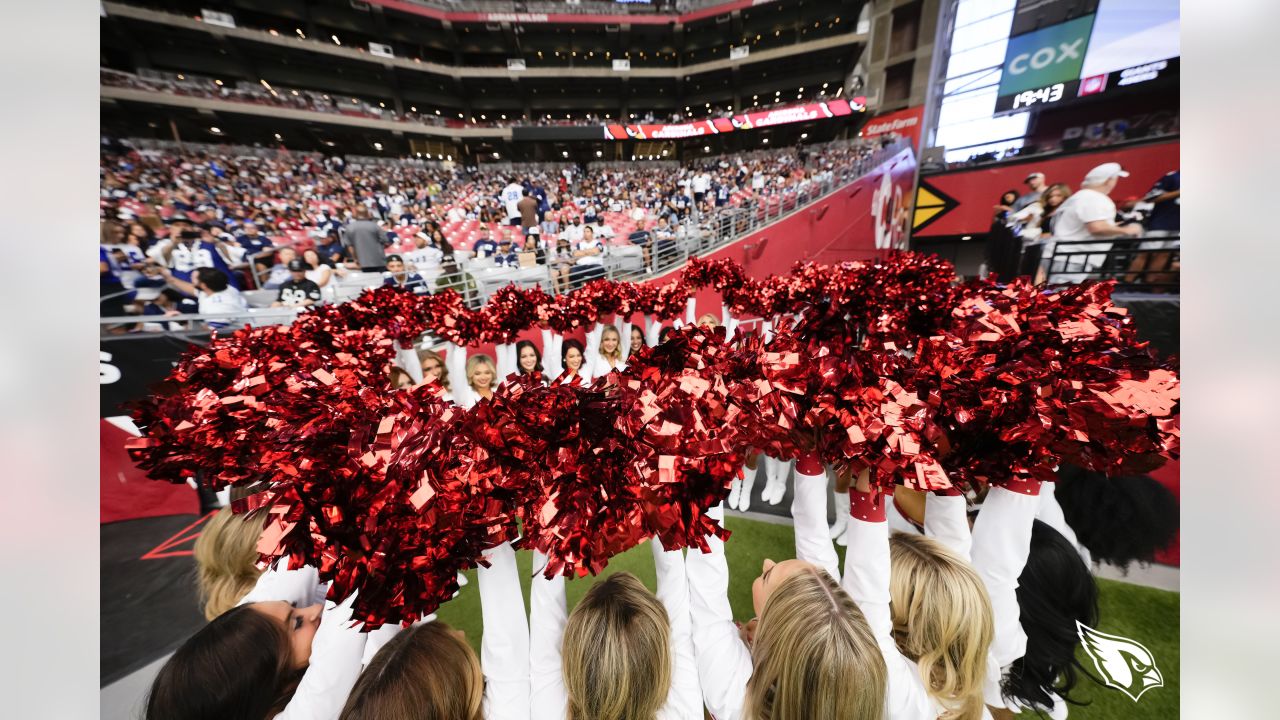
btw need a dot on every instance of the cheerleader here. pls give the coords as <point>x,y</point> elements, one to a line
<point>623,653</point>
<point>529,360</point>
<point>563,356</point>
<point>478,371</point>
<point>776,471</point>
<point>435,371</point>
<point>610,351</point>
<point>275,655</point>
<point>927,606</point>
<point>813,654</point>
<point>431,672</point>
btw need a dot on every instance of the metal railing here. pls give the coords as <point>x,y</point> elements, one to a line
<point>478,280</point>
<point>1150,264</point>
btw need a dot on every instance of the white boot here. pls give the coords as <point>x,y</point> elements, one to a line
<point>777,471</point>
<point>842,517</point>
<point>748,482</point>
<point>735,490</point>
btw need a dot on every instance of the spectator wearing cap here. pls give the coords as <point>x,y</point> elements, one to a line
<point>1035,183</point>
<point>424,255</point>
<point>1090,214</point>
<point>485,246</point>
<point>297,291</point>
<point>397,275</point>
<point>506,255</point>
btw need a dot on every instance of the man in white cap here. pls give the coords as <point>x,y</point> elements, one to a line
<point>1090,214</point>
<point>1035,188</point>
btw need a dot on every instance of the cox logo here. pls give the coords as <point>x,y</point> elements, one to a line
<point>1045,56</point>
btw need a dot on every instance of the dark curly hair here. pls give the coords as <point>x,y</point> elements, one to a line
<point>1055,590</point>
<point>1119,519</point>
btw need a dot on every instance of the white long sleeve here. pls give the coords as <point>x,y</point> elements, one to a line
<point>684,700</point>
<point>551,346</point>
<point>691,311</point>
<point>766,330</point>
<point>866,579</point>
<point>548,616</point>
<point>408,361</point>
<point>730,326</point>
<point>300,587</point>
<point>1001,544</point>
<point>1050,512</point>
<point>337,653</point>
<point>946,520</point>
<point>504,646</point>
<point>809,513</point>
<point>724,662</point>
<point>455,360</point>
<point>592,349</point>
<point>652,330</point>
<point>624,338</point>
<point>506,361</point>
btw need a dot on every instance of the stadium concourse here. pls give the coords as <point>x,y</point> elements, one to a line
<point>262,163</point>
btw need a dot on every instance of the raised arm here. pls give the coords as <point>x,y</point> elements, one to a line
<point>624,336</point>
<point>809,513</point>
<point>593,343</point>
<point>407,360</point>
<point>551,344</point>
<point>300,587</point>
<point>337,653</point>
<point>506,360</point>
<point>691,311</point>
<point>946,519</point>
<point>866,579</point>
<point>455,361</point>
<point>685,698</point>
<point>1001,544</point>
<point>1050,512</point>
<point>548,615</point>
<point>724,662</point>
<point>652,329</point>
<point>504,646</point>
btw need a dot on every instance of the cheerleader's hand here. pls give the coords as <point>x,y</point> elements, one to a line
<point>747,631</point>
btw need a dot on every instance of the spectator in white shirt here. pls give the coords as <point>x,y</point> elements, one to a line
<point>213,292</point>
<point>1088,214</point>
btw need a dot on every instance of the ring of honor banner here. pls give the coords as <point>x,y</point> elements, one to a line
<point>744,121</point>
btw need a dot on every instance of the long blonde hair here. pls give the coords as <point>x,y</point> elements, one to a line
<point>616,355</point>
<point>616,652</point>
<point>425,673</point>
<point>444,369</point>
<point>476,361</point>
<point>942,620</point>
<point>814,655</point>
<point>226,556</point>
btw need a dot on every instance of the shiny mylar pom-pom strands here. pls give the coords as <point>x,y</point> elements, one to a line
<point>888,365</point>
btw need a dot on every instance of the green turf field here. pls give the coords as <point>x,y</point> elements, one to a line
<point>1145,615</point>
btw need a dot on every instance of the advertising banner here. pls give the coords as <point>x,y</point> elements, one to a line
<point>906,123</point>
<point>1045,57</point>
<point>744,121</point>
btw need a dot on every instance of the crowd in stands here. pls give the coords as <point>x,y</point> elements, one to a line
<point>1048,213</point>
<point>174,220</point>
<point>262,94</point>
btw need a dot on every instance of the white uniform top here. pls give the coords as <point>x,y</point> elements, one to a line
<point>511,195</point>
<point>338,651</point>
<point>548,617</point>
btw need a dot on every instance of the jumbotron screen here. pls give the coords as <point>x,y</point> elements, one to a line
<point>1065,49</point>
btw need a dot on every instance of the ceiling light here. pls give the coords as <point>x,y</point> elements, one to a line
<point>218,83</point>
<point>215,130</point>
<point>706,148</point>
<point>273,32</point>
<point>804,136</point>
<point>564,153</point>
<point>599,153</point>
<point>377,146</point>
<point>336,41</point>
<point>495,156</point>
<point>181,77</point>
<point>295,92</point>
<point>766,141</point>
<point>413,108</point>
<point>278,136</point>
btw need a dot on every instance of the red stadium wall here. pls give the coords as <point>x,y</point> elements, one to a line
<point>976,192</point>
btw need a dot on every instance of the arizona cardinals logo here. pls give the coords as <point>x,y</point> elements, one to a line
<point>1125,665</point>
